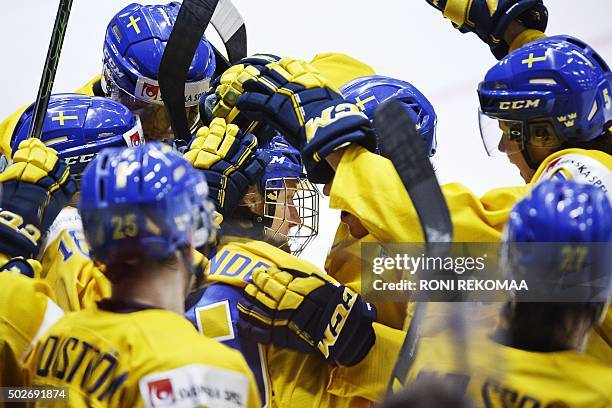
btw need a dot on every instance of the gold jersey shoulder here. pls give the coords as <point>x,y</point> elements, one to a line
<point>297,379</point>
<point>584,166</point>
<point>145,357</point>
<point>26,311</point>
<point>236,259</point>
<point>340,68</point>
<point>67,267</point>
<point>499,374</point>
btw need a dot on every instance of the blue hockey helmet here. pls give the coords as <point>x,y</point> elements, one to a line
<point>134,44</point>
<point>285,162</point>
<point>370,91</point>
<point>144,202</point>
<point>80,126</point>
<point>560,238</point>
<point>291,201</point>
<point>547,94</point>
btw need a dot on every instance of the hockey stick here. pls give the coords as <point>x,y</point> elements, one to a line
<point>229,24</point>
<point>191,22</point>
<point>50,68</point>
<point>403,145</point>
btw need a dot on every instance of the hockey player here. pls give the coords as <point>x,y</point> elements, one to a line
<point>377,208</point>
<point>78,127</point>
<point>133,47</point>
<point>285,377</point>
<point>563,128</point>
<point>552,111</point>
<point>37,182</point>
<point>567,135</point>
<point>144,209</point>
<point>537,359</point>
<point>344,259</point>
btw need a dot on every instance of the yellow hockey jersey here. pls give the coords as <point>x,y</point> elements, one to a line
<point>294,379</point>
<point>67,267</point>
<point>76,280</point>
<point>494,375</point>
<point>383,206</point>
<point>26,312</point>
<point>127,355</point>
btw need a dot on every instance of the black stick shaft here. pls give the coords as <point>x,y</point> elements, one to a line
<point>50,68</point>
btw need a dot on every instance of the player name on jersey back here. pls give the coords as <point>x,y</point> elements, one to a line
<point>151,358</point>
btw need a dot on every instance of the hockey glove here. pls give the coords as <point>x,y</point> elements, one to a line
<point>490,19</point>
<point>220,102</point>
<point>310,313</point>
<point>28,267</point>
<point>230,162</point>
<point>305,108</point>
<point>34,190</point>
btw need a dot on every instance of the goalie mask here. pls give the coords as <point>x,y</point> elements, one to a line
<point>288,204</point>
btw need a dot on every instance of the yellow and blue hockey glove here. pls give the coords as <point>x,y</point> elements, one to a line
<point>28,267</point>
<point>306,109</point>
<point>490,19</point>
<point>310,313</point>
<point>230,162</point>
<point>34,190</point>
<point>220,101</point>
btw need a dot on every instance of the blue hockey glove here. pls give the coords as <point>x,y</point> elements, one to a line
<point>27,267</point>
<point>490,19</point>
<point>34,190</point>
<point>304,107</point>
<point>310,313</point>
<point>220,101</point>
<point>230,162</point>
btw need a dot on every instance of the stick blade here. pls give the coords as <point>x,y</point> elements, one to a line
<point>191,22</point>
<point>231,28</point>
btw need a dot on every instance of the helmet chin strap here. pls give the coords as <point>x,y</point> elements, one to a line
<point>257,230</point>
<point>243,215</point>
<point>532,165</point>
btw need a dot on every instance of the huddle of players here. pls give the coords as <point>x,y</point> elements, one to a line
<point>306,335</point>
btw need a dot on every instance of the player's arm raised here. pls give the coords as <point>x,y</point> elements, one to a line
<point>491,21</point>
<point>229,160</point>
<point>34,189</point>
<point>308,110</point>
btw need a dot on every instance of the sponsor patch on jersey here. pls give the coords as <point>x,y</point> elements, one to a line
<point>68,219</point>
<point>580,168</point>
<point>195,385</point>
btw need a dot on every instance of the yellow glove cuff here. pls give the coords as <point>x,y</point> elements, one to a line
<point>526,37</point>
